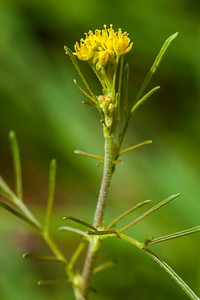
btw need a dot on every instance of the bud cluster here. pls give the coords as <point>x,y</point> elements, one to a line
<point>107,107</point>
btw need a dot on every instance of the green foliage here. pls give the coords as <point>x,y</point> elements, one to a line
<point>36,92</point>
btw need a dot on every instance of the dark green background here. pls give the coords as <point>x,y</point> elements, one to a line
<point>39,101</point>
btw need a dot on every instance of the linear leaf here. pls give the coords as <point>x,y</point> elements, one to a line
<point>76,254</point>
<point>103,232</point>
<point>41,257</point>
<point>105,265</point>
<point>126,81</point>
<point>162,264</point>
<point>173,275</point>
<point>174,235</point>
<point>148,212</point>
<point>130,240</point>
<point>79,152</point>
<point>5,189</point>
<point>53,281</point>
<point>8,193</point>
<point>120,80</point>
<point>52,178</point>
<point>75,63</point>
<point>75,230</point>
<point>18,214</point>
<point>79,222</point>
<point>144,98</point>
<point>155,65</point>
<point>147,142</point>
<point>83,91</point>
<point>16,162</point>
<point>146,81</point>
<point>127,212</point>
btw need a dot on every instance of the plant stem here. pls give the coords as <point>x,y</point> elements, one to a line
<point>52,245</point>
<point>109,156</point>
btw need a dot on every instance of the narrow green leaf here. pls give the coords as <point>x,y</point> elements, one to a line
<point>76,254</point>
<point>173,275</point>
<point>148,212</point>
<point>8,193</point>
<point>83,91</point>
<point>16,162</point>
<point>26,212</point>
<point>18,215</point>
<point>52,178</point>
<point>76,220</point>
<point>53,282</point>
<point>53,246</point>
<point>101,81</point>
<point>79,152</point>
<point>162,264</point>
<point>145,83</point>
<point>75,63</point>
<point>127,212</point>
<point>119,85</point>
<point>104,266</point>
<point>5,190</point>
<point>144,98</point>
<point>130,240</point>
<point>41,257</point>
<point>102,232</point>
<point>155,65</point>
<point>147,142</point>
<point>126,82</point>
<point>174,235</point>
<point>91,104</point>
<point>75,230</point>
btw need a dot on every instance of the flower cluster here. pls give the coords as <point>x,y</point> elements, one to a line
<point>103,45</point>
<point>104,50</point>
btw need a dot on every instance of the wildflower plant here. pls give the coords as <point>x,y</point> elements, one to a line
<point>104,50</point>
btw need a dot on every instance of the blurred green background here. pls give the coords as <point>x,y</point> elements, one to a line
<point>39,101</point>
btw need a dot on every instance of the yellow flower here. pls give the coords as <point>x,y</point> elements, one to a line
<point>84,51</point>
<point>103,57</point>
<point>122,43</point>
<point>103,45</point>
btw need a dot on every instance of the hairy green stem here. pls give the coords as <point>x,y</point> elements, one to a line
<point>109,156</point>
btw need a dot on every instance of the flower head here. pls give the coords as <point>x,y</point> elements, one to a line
<point>122,43</point>
<point>103,45</point>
